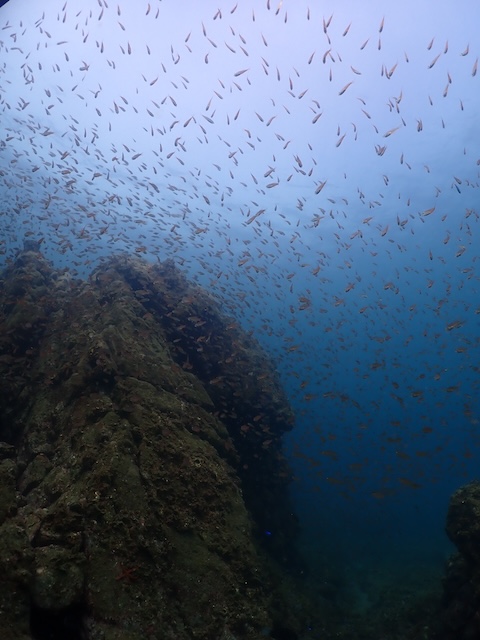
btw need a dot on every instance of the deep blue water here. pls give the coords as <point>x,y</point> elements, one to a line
<point>317,169</point>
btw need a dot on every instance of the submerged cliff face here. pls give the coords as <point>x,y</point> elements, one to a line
<point>459,616</point>
<point>143,490</point>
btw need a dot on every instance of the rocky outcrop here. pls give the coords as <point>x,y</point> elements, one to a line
<point>143,489</point>
<point>460,614</point>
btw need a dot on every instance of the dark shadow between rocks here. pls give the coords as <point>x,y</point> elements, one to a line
<point>58,625</point>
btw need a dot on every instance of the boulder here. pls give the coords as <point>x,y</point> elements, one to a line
<point>143,488</point>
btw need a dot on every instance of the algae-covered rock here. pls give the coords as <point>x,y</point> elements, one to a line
<point>459,617</point>
<point>141,459</point>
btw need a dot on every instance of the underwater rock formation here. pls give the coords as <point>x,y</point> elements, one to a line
<point>460,614</point>
<point>143,489</point>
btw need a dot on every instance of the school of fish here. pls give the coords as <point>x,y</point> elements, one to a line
<point>317,172</point>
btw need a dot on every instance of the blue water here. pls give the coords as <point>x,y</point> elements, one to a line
<point>247,143</point>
